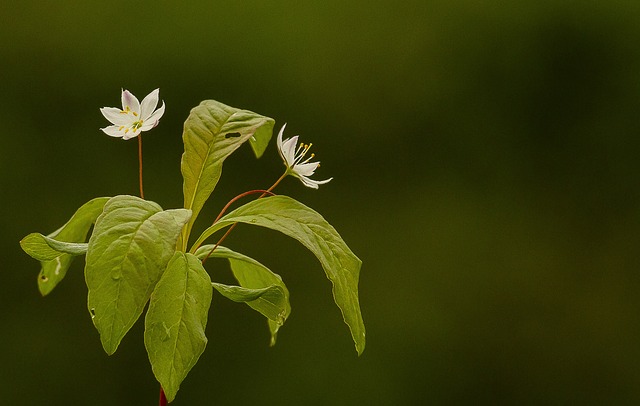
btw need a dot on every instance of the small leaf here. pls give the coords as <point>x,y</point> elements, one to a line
<point>175,323</point>
<point>255,277</point>
<point>54,266</point>
<point>298,221</point>
<point>132,242</point>
<point>271,296</point>
<point>44,248</point>
<point>212,132</point>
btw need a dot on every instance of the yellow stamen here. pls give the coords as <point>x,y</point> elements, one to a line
<point>137,124</point>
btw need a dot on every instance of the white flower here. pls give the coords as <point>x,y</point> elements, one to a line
<point>293,160</point>
<point>134,117</point>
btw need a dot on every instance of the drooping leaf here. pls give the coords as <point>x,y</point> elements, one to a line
<point>175,322</point>
<point>263,291</point>
<point>298,221</point>
<point>270,301</point>
<point>211,133</point>
<point>244,295</point>
<point>45,248</point>
<point>132,242</point>
<point>54,258</point>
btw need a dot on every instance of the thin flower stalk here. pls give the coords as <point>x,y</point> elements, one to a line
<point>134,118</point>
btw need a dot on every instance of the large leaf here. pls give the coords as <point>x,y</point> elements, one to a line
<point>261,289</point>
<point>298,221</point>
<point>132,242</point>
<point>54,258</point>
<point>176,320</point>
<point>211,133</point>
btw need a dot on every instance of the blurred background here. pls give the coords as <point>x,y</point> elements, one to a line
<point>486,168</point>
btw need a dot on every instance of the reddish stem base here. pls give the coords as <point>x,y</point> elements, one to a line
<point>163,398</point>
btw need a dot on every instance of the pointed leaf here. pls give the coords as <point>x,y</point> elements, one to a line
<point>255,277</point>
<point>44,248</point>
<point>243,295</point>
<point>211,133</point>
<point>132,242</point>
<point>176,320</point>
<point>54,267</point>
<point>271,296</point>
<point>298,221</point>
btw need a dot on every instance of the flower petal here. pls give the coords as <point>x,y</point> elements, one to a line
<point>149,104</point>
<point>306,169</point>
<point>322,182</point>
<point>130,101</point>
<point>289,151</point>
<point>308,182</point>
<point>279,139</point>
<point>148,125</point>
<point>117,116</point>
<point>131,134</point>
<point>113,131</point>
<point>313,183</point>
<point>156,115</point>
<point>279,144</point>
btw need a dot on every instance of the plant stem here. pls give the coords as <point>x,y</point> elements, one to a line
<point>220,241</point>
<point>163,398</point>
<point>140,164</point>
<point>162,401</point>
<point>241,195</point>
<point>284,175</point>
<point>264,193</point>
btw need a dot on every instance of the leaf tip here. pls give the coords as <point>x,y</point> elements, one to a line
<point>360,344</point>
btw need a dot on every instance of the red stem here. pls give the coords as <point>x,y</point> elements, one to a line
<point>240,196</point>
<point>220,241</point>
<point>224,209</point>
<point>163,398</point>
<point>140,163</point>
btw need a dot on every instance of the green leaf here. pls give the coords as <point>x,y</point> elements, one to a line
<point>175,322</point>
<point>131,245</point>
<point>243,295</point>
<point>44,248</point>
<point>211,133</point>
<point>298,221</point>
<point>270,295</point>
<point>55,259</point>
<point>269,301</point>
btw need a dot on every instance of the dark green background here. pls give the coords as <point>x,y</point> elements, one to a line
<point>486,170</point>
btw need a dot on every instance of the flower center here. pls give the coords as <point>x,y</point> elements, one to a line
<point>301,152</point>
<point>133,127</point>
<point>137,124</point>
